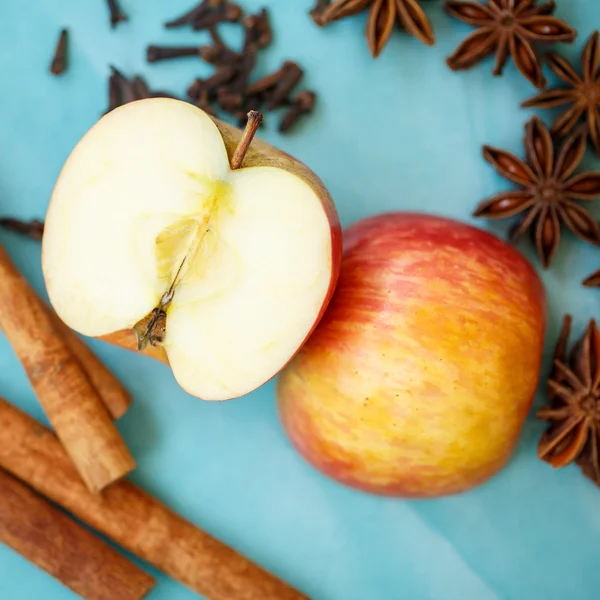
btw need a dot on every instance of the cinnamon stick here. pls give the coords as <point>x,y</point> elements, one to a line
<point>55,543</point>
<point>114,395</point>
<point>67,396</point>
<point>133,519</point>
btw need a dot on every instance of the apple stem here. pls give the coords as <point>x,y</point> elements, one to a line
<point>254,120</point>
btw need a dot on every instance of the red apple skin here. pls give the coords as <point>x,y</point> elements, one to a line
<point>419,377</point>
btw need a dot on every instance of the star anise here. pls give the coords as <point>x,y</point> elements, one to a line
<point>574,409</point>
<point>549,189</point>
<point>383,15</point>
<point>508,27</point>
<point>583,93</point>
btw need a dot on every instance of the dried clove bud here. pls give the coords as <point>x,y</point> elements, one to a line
<point>33,229</point>
<point>289,78</point>
<point>266,83</point>
<point>195,88</point>
<point>203,102</point>
<point>126,93</point>
<point>230,101</point>
<point>116,14</point>
<point>220,77</point>
<point>229,88</point>
<point>245,66</point>
<point>317,12</point>
<point>140,88</point>
<point>122,90</point>
<point>194,14</point>
<point>217,55</point>
<point>302,104</point>
<point>59,59</point>
<point>258,29</point>
<point>227,12</point>
<point>114,93</point>
<point>156,53</point>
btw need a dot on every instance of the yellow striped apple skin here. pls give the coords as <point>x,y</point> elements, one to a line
<point>419,378</point>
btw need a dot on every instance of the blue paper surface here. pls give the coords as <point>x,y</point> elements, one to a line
<point>399,133</point>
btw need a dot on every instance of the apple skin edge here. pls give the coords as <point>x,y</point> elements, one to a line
<point>260,154</point>
<point>420,376</point>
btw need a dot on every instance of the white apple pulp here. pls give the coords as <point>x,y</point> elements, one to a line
<point>149,191</point>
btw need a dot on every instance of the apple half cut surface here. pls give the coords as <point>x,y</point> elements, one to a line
<point>152,227</point>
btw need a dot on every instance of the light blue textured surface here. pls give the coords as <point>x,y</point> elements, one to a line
<point>402,132</point>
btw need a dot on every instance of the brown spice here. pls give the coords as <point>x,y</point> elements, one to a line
<point>583,93</point>
<point>65,392</point>
<point>507,28</point>
<point>55,543</point>
<point>116,14</point>
<point>112,392</point>
<point>258,29</point>
<point>593,280</point>
<point>302,104</point>
<point>33,229</point>
<point>208,14</point>
<point>231,88</point>
<point>226,12</point>
<point>383,16</point>
<point>549,189</point>
<point>189,17</point>
<point>122,90</point>
<point>158,53</point>
<point>133,519</point>
<point>573,412</point>
<point>59,59</point>
<point>290,77</point>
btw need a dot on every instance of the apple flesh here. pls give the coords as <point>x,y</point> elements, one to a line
<point>148,205</point>
<point>420,375</point>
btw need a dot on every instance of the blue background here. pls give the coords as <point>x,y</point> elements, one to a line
<point>402,132</point>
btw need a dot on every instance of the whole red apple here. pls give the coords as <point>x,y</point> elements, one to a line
<point>419,378</point>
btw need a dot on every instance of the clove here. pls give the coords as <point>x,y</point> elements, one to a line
<point>227,12</point>
<point>140,88</point>
<point>59,59</point>
<point>230,101</point>
<point>114,93</point>
<point>245,67</point>
<point>276,86</point>
<point>122,90</point>
<point>203,102</point>
<point>218,56</point>
<point>116,14</point>
<point>33,229</point>
<point>220,77</point>
<point>318,11</point>
<point>126,92</point>
<point>302,104</point>
<point>194,14</point>
<point>157,53</point>
<point>258,29</point>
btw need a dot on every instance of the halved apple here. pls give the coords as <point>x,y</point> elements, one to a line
<point>153,228</point>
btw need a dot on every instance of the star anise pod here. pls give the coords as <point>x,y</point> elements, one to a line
<point>549,189</point>
<point>583,93</point>
<point>574,408</point>
<point>383,15</point>
<point>508,27</point>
